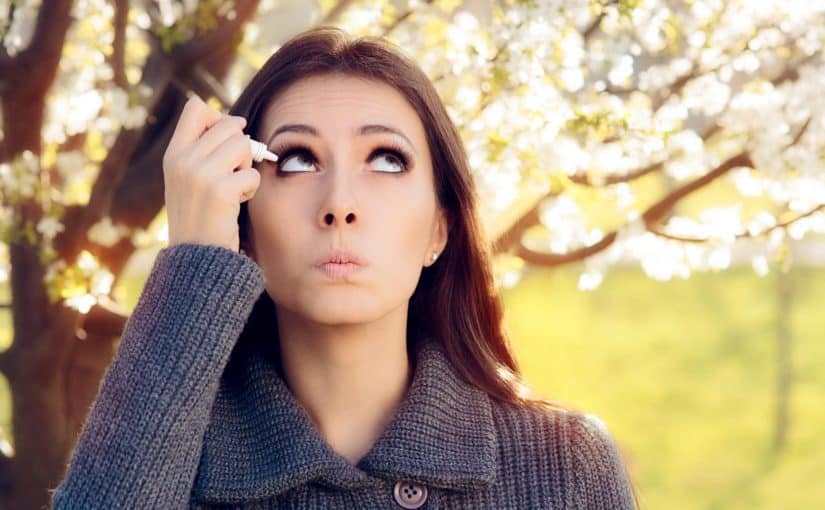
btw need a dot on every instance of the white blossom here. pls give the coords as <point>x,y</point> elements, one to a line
<point>49,227</point>
<point>105,233</point>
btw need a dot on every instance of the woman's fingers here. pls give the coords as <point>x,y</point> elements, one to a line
<point>234,152</point>
<point>224,129</point>
<point>195,118</point>
<point>202,191</point>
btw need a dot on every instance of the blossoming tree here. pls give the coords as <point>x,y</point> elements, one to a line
<point>592,127</point>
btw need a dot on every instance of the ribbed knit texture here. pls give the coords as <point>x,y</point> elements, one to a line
<point>183,419</point>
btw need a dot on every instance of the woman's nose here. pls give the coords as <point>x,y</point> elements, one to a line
<point>338,208</point>
<point>330,218</point>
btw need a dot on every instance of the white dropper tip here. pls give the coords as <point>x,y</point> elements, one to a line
<point>260,152</point>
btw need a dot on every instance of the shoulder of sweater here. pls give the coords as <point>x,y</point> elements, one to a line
<point>542,428</point>
<point>571,448</point>
<point>550,415</point>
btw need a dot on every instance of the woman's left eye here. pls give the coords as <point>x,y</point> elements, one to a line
<point>392,158</point>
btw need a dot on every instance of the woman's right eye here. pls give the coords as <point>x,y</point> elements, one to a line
<point>297,160</point>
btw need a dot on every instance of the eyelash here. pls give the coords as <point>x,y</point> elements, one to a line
<point>285,151</point>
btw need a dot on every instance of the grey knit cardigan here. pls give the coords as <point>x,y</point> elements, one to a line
<point>176,425</point>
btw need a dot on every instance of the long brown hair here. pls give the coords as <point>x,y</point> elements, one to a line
<point>455,301</point>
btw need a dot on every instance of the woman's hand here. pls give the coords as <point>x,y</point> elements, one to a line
<point>207,173</point>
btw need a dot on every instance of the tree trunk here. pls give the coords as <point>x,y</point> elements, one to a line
<point>50,398</point>
<point>58,356</point>
<point>785,291</point>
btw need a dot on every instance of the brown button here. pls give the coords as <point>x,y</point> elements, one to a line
<point>410,495</point>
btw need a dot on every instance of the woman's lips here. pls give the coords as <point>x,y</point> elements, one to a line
<point>337,271</point>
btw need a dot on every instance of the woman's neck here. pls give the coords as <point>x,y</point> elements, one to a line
<point>349,378</point>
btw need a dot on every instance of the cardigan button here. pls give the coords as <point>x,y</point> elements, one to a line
<point>409,494</point>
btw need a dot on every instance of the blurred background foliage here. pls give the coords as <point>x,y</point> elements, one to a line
<point>651,180</point>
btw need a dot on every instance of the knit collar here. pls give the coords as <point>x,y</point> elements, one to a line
<point>260,441</point>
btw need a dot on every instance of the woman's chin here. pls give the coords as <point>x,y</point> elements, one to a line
<point>341,309</point>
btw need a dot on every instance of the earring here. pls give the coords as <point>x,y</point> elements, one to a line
<point>435,256</point>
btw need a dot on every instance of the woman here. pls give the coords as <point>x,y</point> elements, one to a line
<point>323,331</point>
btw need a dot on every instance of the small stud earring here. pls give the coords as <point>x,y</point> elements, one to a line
<point>435,256</point>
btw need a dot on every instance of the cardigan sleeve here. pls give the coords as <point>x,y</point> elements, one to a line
<point>141,442</point>
<point>599,479</point>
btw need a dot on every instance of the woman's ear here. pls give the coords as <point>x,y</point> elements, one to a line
<point>440,234</point>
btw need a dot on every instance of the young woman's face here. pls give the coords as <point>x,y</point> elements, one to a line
<point>354,173</point>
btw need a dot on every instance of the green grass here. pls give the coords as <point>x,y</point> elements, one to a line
<point>683,374</point>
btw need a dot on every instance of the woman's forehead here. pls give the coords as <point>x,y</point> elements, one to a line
<point>345,103</point>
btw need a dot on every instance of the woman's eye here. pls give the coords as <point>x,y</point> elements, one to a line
<point>394,162</point>
<point>295,161</point>
<point>301,160</point>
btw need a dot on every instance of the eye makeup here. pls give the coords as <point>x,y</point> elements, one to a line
<point>395,152</point>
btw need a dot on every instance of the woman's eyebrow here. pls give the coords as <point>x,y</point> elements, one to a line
<point>363,130</point>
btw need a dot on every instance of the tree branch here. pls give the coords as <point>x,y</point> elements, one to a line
<point>185,56</point>
<point>399,19</point>
<point>5,475</point>
<point>157,74</point>
<point>4,362</point>
<point>5,58</point>
<point>9,22</point>
<point>659,209</point>
<point>554,259</point>
<point>586,180</point>
<point>77,221</point>
<point>785,224</point>
<point>588,32</point>
<point>118,57</point>
<point>651,216</point>
<point>656,230</point>
<point>106,319</point>
<point>488,96</point>
<point>741,235</point>
<point>208,85</point>
<point>129,187</point>
<point>790,73</point>
<point>332,16</point>
<point>800,133</point>
<point>41,56</point>
<point>512,236</point>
